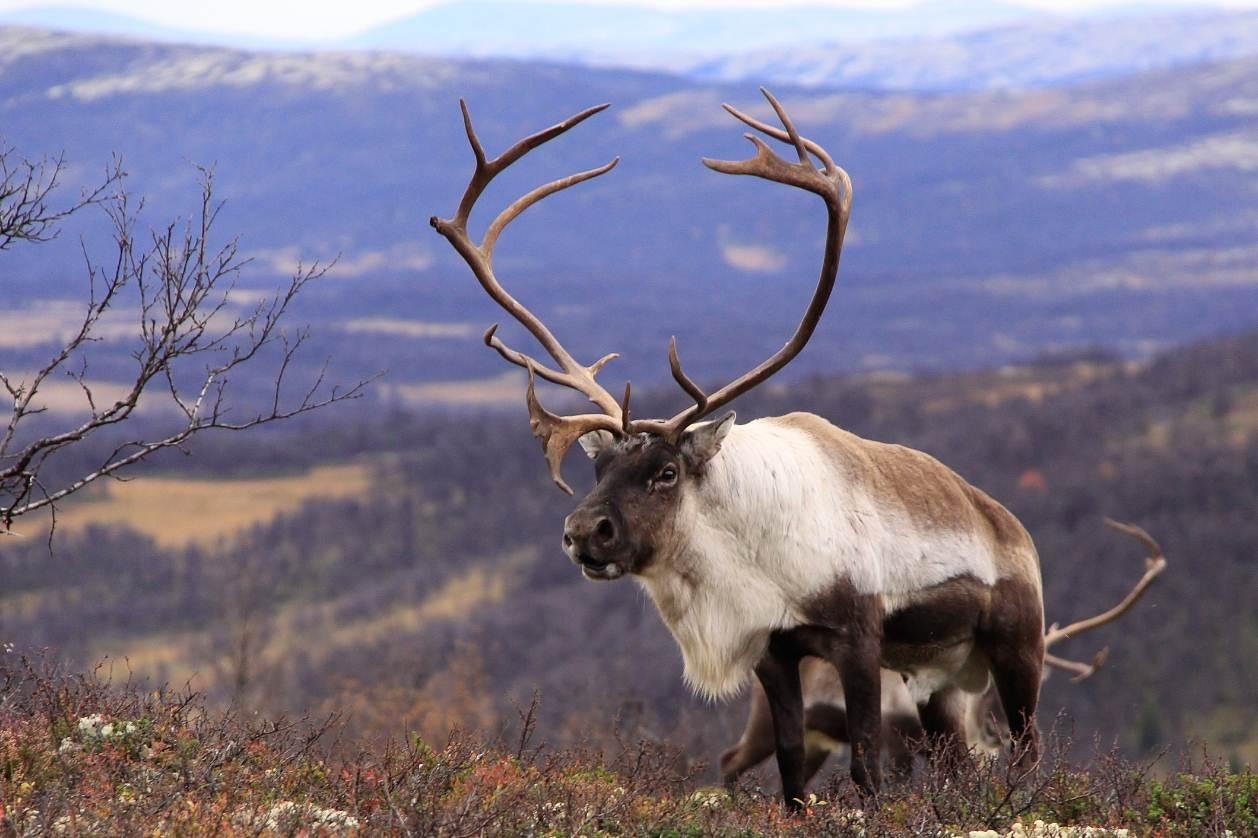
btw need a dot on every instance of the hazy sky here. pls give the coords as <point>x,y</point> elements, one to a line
<point>324,19</point>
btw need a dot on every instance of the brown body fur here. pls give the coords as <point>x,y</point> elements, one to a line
<point>962,625</point>
<point>931,495</point>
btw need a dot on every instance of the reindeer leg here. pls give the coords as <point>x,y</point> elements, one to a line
<point>825,727</point>
<point>1013,638</point>
<point>944,726</point>
<point>1017,678</point>
<point>901,734</point>
<point>756,744</point>
<point>778,672</point>
<point>860,672</point>
<point>814,758</point>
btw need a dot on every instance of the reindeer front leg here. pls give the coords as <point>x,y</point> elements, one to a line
<point>859,670</point>
<point>778,672</point>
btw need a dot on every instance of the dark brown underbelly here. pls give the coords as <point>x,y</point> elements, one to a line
<point>936,619</point>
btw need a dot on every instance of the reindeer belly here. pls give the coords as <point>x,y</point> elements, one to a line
<point>929,637</point>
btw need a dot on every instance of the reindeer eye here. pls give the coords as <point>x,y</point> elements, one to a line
<point>667,476</point>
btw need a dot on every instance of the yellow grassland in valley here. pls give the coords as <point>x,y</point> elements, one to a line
<point>317,630</point>
<point>179,512</point>
<point>505,388</point>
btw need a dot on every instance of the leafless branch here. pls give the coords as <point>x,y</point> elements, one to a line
<point>191,338</point>
<point>26,188</point>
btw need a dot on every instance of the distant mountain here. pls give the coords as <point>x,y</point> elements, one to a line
<point>101,22</point>
<point>1029,53</point>
<point>941,45</point>
<point>644,36</point>
<point>933,45</point>
<point>988,227</point>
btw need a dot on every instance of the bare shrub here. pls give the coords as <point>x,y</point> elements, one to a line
<point>190,340</point>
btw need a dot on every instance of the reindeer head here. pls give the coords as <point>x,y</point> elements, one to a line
<point>640,483</point>
<point>644,468</point>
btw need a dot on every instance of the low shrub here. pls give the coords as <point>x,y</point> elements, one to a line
<point>81,757</point>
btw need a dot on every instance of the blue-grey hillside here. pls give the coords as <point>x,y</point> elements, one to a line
<point>638,33</point>
<point>1034,52</point>
<point>628,30</point>
<point>987,227</point>
<point>927,45</point>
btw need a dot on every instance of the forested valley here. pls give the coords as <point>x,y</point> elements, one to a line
<point>435,596</point>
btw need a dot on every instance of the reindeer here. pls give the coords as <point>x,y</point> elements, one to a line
<point>786,537</point>
<point>825,718</point>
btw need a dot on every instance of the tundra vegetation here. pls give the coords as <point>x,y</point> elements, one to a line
<point>82,757</point>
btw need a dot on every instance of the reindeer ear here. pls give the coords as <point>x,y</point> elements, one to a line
<point>703,441</point>
<point>595,442</point>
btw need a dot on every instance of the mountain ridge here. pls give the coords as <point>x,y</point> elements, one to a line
<point>954,45</point>
<point>1035,53</point>
<point>988,227</point>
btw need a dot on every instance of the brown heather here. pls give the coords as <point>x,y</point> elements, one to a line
<point>79,756</point>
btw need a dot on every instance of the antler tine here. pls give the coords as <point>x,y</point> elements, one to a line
<point>479,257</point>
<point>494,342</point>
<point>1150,543</point>
<point>477,149</point>
<point>558,433</point>
<point>791,133</point>
<point>602,362</point>
<point>519,358</point>
<point>1081,670</point>
<point>834,187</point>
<point>510,213</point>
<point>686,382</point>
<point>624,410</point>
<point>487,170</point>
<point>1155,563</point>
<point>787,136</point>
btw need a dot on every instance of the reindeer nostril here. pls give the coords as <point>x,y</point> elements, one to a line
<point>605,531</point>
<point>567,540</point>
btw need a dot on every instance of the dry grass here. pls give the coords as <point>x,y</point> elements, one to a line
<point>402,328</point>
<point>67,397</point>
<point>507,388</point>
<point>56,321</point>
<point>179,512</point>
<point>753,258</point>
<point>82,758</point>
<point>287,260</point>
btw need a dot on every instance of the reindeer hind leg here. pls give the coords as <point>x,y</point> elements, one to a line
<point>825,731</point>
<point>756,744</point>
<point>943,724</point>
<point>1013,639</point>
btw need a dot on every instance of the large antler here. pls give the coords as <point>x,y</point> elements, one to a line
<point>556,432</point>
<point>834,187</point>
<point>1154,563</point>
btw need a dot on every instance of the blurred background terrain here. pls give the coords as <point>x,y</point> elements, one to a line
<point>1050,283</point>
